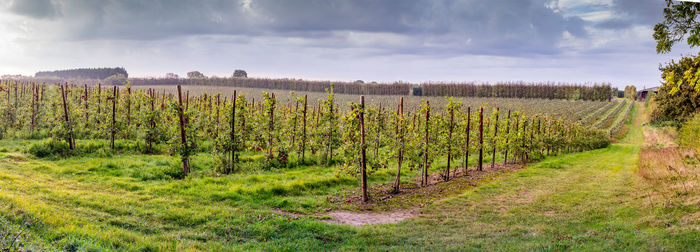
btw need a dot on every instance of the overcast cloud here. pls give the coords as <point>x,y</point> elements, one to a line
<point>421,40</point>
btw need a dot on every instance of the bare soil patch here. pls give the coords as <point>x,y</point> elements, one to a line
<point>369,218</point>
<point>387,207</point>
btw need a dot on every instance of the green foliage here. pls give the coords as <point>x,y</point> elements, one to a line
<point>350,152</point>
<point>689,134</point>
<point>131,202</point>
<point>50,148</point>
<point>84,73</point>
<point>329,125</point>
<point>148,122</point>
<point>679,96</point>
<point>679,21</point>
<point>268,118</point>
<point>195,75</point>
<point>685,73</point>
<point>416,90</point>
<point>630,92</point>
<point>240,74</point>
<point>116,80</point>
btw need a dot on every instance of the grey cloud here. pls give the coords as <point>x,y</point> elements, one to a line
<point>40,9</point>
<point>468,26</point>
<point>634,12</point>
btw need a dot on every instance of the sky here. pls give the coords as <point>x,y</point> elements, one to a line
<point>572,41</point>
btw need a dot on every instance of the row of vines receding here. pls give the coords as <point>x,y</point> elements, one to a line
<point>298,132</point>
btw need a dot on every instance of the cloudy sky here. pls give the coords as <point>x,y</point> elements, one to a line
<point>373,40</point>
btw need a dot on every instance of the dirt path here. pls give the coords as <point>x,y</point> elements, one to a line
<point>359,219</point>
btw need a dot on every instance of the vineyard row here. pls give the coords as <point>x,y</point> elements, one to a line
<point>362,139</point>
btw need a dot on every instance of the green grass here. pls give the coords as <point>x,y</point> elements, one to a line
<point>581,201</point>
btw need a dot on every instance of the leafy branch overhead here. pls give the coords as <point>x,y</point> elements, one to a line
<point>679,21</point>
<point>678,97</point>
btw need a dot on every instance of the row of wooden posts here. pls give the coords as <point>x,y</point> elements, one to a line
<point>232,157</point>
<point>424,172</point>
<point>67,121</point>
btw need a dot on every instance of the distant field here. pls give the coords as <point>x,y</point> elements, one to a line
<point>565,109</point>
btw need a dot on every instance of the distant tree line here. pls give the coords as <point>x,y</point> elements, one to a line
<point>84,73</point>
<point>285,84</point>
<point>520,90</point>
<point>509,90</point>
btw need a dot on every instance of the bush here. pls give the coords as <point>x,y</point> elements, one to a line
<point>175,171</point>
<point>417,90</point>
<point>50,148</point>
<point>689,135</point>
<point>116,80</point>
<point>678,99</point>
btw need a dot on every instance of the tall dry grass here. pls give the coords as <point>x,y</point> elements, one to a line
<point>673,174</point>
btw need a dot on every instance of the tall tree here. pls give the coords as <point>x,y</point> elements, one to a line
<point>679,21</point>
<point>678,97</point>
<point>195,75</point>
<point>240,73</point>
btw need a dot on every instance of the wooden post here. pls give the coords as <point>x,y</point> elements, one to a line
<point>233,132</point>
<point>152,119</point>
<point>128,107</point>
<point>449,144</point>
<point>539,124</point>
<point>303,141</point>
<point>330,137</point>
<point>114,110</point>
<point>183,136</point>
<point>505,156</point>
<point>363,159</point>
<point>294,124</point>
<point>17,99</point>
<point>99,101</point>
<point>532,129</point>
<point>549,135</point>
<point>187,101</point>
<point>481,139</point>
<point>495,134</point>
<point>524,147</point>
<point>218,106</point>
<point>517,131</point>
<point>71,142</point>
<point>379,123</point>
<point>34,95</point>
<point>399,133</point>
<point>87,114</point>
<point>424,181</point>
<point>271,128</point>
<point>468,131</point>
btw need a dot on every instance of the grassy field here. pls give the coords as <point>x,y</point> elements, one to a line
<point>584,201</point>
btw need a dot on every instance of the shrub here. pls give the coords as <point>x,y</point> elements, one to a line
<point>50,148</point>
<point>678,99</point>
<point>689,135</point>
<point>175,171</point>
<point>417,90</point>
